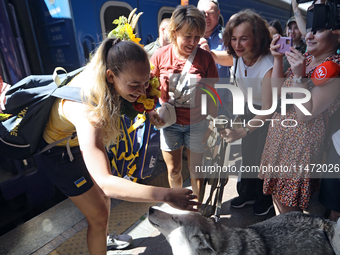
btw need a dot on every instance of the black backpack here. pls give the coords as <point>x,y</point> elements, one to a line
<point>29,102</point>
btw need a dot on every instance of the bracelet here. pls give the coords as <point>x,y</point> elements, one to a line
<point>246,129</point>
<point>300,80</point>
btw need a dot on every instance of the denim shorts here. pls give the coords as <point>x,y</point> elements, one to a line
<point>175,136</point>
<point>72,178</point>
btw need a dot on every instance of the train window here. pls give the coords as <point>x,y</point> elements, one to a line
<point>164,12</point>
<point>110,11</point>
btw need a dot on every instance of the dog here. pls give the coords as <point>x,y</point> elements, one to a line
<point>289,233</point>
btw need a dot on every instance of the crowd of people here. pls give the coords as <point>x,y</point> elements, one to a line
<point>192,45</point>
<point>249,44</point>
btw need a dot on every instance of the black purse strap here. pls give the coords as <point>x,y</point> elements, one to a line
<point>235,72</point>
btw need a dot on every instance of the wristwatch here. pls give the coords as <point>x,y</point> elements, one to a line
<point>246,129</point>
<point>300,79</point>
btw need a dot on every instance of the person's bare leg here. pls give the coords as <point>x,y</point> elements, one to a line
<point>173,161</point>
<point>95,207</point>
<point>281,208</point>
<point>195,159</point>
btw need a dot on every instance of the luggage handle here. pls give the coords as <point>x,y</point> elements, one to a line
<point>55,75</point>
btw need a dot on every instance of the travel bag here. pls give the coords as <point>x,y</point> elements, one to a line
<point>134,156</point>
<point>29,103</point>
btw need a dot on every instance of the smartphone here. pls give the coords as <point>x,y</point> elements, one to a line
<point>285,44</point>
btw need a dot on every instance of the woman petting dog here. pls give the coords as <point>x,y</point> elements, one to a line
<point>119,69</point>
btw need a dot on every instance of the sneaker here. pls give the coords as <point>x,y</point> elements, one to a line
<point>240,202</point>
<point>260,209</point>
<point>118,241</point>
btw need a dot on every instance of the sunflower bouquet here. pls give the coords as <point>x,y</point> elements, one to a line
<point>125,27</point>
<point>147,102</point>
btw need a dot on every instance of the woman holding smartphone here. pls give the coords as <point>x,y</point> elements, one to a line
<point>293,31</point>
<point>301,146</point>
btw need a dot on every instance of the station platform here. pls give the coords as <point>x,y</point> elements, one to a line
<point>61,230</point>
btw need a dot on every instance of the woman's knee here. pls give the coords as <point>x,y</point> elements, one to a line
<point>173,172</point>
<point>99,217</point>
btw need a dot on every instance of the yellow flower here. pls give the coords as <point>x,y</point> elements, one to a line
<point>125,27</point>
<point>128,29</point>
<point>154,82</point>
<point>148,104</point>
<point>141,99</point>
<point>135,40</point>
<point>155,92</point>
<point>4,116</point>
<point>152,66</point>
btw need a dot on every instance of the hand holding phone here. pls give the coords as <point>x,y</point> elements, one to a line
<point>285,44</point>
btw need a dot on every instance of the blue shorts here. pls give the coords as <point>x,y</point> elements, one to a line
<point>72,178</point>
<point>175,136</point>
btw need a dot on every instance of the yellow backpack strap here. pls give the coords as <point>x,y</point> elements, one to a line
<point>141,119</point>
<point>132,170</point>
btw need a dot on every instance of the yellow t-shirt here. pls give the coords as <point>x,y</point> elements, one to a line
<point>58,126</point>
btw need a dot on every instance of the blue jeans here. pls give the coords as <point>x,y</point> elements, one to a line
<point>175,136</point>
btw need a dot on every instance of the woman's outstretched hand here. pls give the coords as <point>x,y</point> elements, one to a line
<point>182,198</point>
<point>155,119</point>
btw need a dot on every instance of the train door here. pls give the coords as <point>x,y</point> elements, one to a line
<point>13,60</point>
<point>55,34</point>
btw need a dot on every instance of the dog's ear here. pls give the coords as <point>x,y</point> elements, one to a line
<point>203,242</point>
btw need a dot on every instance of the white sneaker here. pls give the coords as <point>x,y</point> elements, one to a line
<point>118,241</point>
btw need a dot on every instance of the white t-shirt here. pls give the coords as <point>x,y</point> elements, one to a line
<point>254,78</point>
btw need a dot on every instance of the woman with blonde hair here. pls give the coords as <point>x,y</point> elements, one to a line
<point>186,27</point>
<point>119,70</point>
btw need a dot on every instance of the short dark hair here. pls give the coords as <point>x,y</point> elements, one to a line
<point>260,31</point>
